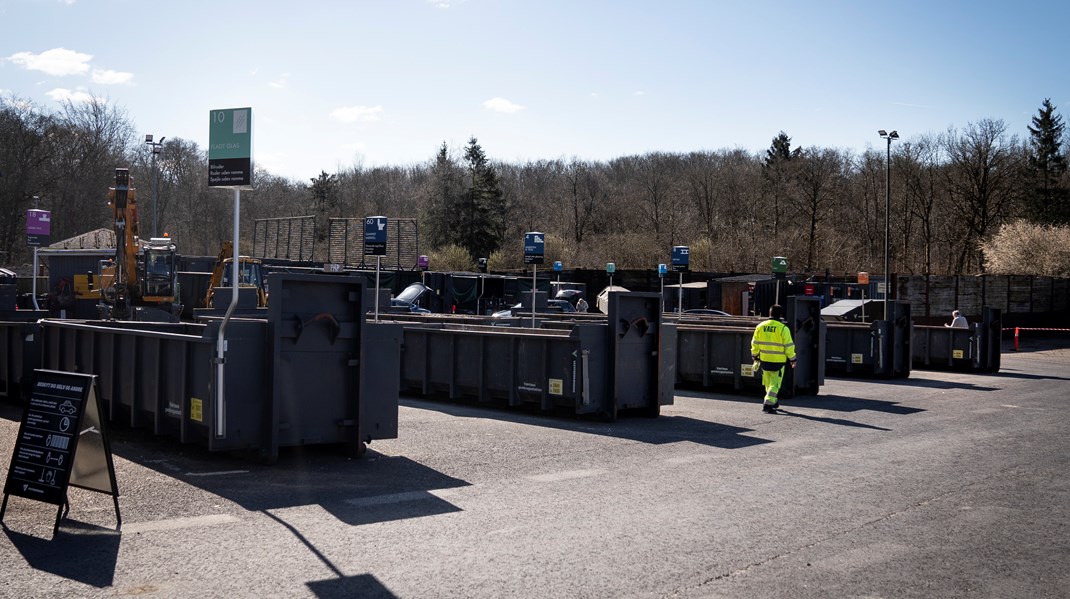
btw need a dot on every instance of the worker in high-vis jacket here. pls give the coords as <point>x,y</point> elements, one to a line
<point>771,348</point>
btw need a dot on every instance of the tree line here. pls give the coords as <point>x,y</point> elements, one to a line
<point>951,195</point>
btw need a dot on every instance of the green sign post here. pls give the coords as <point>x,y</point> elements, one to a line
<point>230,148</point>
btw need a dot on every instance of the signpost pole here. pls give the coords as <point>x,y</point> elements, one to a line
<point>377,260</point>
<point>680,296</point>
<point>534,269</point>
<point>35,306</point>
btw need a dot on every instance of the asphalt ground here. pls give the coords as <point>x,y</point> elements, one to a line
<point>946,484</point>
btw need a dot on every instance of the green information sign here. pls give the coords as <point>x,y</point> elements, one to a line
<point>780,265</point>
<point>230,147</point>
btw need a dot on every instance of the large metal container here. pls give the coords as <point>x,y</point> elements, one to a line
<point>976,348</point>
<point>623,363</point>
<point>877,349</point>
<point>718,355</point>
<point>20,354</point>
<point>310,373</point>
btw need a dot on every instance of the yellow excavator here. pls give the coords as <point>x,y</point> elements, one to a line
<point>250,274</point>
<point>141,275</point>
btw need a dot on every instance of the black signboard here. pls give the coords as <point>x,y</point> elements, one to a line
<point>61,442</point>
<point>375,236</point>
<point>534,248</point>
<point>681,257</point>
<point>230,172</point>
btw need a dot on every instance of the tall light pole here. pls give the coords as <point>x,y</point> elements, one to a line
<point>888,221</point>
<point>155,150</point>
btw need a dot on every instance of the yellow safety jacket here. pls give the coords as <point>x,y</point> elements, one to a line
<point>772,342</point>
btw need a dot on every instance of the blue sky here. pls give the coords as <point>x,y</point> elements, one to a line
<point>333,84</point>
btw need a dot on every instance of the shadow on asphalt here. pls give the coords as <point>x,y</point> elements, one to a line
<point>930,384</point>
<point>81,552</point>
<point>1012,374</point>
<point>655,431</point>
<point>836,421</point>
<point>373,488</point>
<point>364,586</point>
<point>342,587</point>
<point>836,403</point>
<point>310,475</point>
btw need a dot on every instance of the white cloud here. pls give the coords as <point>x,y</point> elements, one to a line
<point>439,3</point>
<point>281,82</point>
<point>61,95</point>
<point>639,93</point>
<point>359,146</point>
<point>57,61</point>
<point>357,114</point>
<point>502,105</point>
<point>109,77</point>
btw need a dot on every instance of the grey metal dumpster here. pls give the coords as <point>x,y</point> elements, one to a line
<point>600,368</point>
<point>20,354</point>
<point>311,373</point>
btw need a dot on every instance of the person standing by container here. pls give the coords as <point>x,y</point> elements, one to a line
<point>958,321</point>
<point>581,304</point>
<point>772,348</point>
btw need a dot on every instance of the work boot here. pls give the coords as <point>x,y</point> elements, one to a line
<point>768,408</point>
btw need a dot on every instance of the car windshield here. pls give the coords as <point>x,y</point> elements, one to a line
<point>411,293</point>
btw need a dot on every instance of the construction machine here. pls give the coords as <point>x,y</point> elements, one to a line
<point>142,275</point>
<point>250,274</point>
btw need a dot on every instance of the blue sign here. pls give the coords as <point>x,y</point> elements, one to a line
<point>681,256</point>
<point>534,247</point>
<point>662,269</point>
<point>558,267</point>
<point>611,267</point>
<point>375,236</point>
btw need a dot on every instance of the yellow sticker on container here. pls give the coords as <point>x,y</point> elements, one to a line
<point>856,358</point>
<point>746,369</point>
<point>557,386</point>
<point>957,354</point>
<point>196,409</point>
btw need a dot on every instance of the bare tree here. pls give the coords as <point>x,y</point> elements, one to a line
<point>820,180</point>
<point>90,139</point>
<point>23,154</point>
<point>984,177</point>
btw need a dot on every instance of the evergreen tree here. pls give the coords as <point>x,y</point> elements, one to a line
<point>1048,199</point>
<point>481,213</point>
<point>443,205</point>
<point>324,191</point>
<point>776,171</point>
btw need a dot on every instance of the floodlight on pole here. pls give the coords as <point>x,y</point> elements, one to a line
<point>888,220</point>
<point>156,145</point>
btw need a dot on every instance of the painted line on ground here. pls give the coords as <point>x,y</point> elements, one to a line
<point>401,497</point>
<point>565,475</point>
<point>177,523</point>
<point>218,473</point>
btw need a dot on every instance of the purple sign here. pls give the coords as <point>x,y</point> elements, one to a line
<point>38,227</point>
<point>38,222</point>
<point>422,262</point>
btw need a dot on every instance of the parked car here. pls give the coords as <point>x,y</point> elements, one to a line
<point>406,300</point>
<point>554,305</point>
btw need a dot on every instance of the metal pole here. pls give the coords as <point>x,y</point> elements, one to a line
<point>154,198</point>
<point>534,269</point>
<point>887,229</point>
<point>35,306</point>
<point>377,258</point>
<point>221,342</point>
<point>680,296</point>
